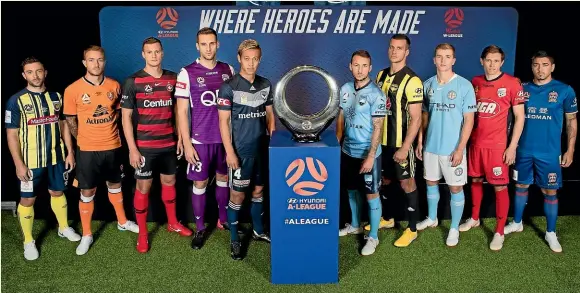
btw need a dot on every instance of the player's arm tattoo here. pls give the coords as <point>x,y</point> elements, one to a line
<point>73,125</point>
<point>571,130</point>
<point>376,136</point>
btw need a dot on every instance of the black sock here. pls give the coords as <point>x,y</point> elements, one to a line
<point>412,208</point>
<point>387,196</point>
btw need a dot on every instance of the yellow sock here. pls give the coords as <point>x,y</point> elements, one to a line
<point>26,217</point>
<point>59,207</point>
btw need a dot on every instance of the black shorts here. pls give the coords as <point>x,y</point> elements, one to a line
<point>393,170</point>
<point>94,166</point>
<point>163,162</point>
<point>369,183</point>
<point>251,170</point>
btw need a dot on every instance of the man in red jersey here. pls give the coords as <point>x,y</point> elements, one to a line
<point>490,154</point>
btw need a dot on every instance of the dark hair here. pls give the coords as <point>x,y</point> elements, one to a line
<point>445,46</point>
<point>543,54</point>
<point>361,53</point>
<point>30,60</point>
<point>151,40</point>
<point>402,37</point>
<point>206,31</point>
<point>492,49</point>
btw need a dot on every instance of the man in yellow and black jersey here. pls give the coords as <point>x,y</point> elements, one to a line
<point>404,91</point>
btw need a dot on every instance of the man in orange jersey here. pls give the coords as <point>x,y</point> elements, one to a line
<point>91,107</point>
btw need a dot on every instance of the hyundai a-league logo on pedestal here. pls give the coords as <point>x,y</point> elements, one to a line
<point>295,171</point>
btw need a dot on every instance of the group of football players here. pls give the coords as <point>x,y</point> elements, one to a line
<point>220,122</point>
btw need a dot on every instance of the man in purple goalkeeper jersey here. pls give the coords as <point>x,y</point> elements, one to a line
<point>196,92</point>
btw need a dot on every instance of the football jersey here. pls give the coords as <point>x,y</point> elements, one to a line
<point>36,115</point>
<point>247,103</point>
<point>95,106</point>
<point>151,99</point>
<point>401,89</point>
<point>545,108</point>
<point>446,105</point>
<point>359,106</point>
<point>201,86</point>
<point>493,117</point>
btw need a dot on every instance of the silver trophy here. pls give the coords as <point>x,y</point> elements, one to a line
<point>306,128</point>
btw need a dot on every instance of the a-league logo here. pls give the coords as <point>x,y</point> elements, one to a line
<point>295,171</point>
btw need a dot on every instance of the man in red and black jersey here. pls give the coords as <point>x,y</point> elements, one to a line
<point>149,92</point>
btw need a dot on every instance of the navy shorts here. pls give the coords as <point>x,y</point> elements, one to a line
<point>57,179</point>
<point>369,183</point>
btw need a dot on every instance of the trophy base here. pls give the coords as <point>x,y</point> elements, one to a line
<point>306,137</point>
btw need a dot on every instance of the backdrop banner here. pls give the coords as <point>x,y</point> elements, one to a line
<point>324,36</point>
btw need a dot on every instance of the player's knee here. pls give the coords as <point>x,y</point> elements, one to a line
<point>222,182</point>
<point>168,180</point>
<point>222,178</point>
<point>408,185</point>
<point>87,197</point>
<point>198,190</point>
<point>113,185</point>
<point>200,184</point>
<point>385,181</point>
<point>522,185</point>
<point>479,179</point>
<point>55,193</point>
<point>432,183</point>
<point>88,192</point>
<point>237,197</point>
<point>372,196</point>
<point>455,189</point>
<point>27,201</point>
<point>549,192</point>
<point>144,186</point>
<point>499,187</point>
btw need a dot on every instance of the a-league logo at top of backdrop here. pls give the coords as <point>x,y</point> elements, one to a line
<point>167,18</point>
<point>302,185</point>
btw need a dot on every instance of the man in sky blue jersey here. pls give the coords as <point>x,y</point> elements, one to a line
<point>359,127</point>
<point>538,157</point>
<point>448,115</point>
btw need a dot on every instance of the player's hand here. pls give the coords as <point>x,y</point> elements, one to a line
<point>69,162</point>
<point>401,155</point>
<point>135,159</point>
<point>367,165</point>
<point>191,155</point>
<point>419,152</point>
<point>567,159</point>
<point>232,161</point>
<point>179,151</point>
<point>456,157</point>
<point>23,173</point>
<point>509,156</point>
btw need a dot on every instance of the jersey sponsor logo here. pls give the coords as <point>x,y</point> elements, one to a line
<point>501,92</point>
<point>258,114</point>
<point>8,117</point>
<point>27,186</point>
<point>442,107</point>
<point>389,112</point>
<point>526,95</point>
<point>43,120</point>
<point>223,102</point>
<point>138,172</point>
<point>100,111</point>
<point>208,98</point>
<point>553,97</point>
<point>487,108</point>
<point>157,104</point>
<point>181,85</point>
<point>86,99</point>
<point>520,96</point>
<point>541,116</point>
<point>296,181</point>
<point>451,95</point>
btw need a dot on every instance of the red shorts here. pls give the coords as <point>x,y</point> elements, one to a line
<point>488,163</point>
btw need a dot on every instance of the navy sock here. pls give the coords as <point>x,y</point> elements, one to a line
<point>551,211</point>
<point>520,201</point>
<point>233,210</point>
<point>256,211</point>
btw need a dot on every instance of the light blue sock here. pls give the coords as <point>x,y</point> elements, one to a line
<point>353,200</point>
<point>457,203</point>
<point>432,200</point>
<point>375,216</point>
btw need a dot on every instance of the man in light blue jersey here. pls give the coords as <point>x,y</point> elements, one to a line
<point>359,128</point>
<point>448,114</point>
<point>538,156</point>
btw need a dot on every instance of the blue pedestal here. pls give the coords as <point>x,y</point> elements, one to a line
<point>304,209</point>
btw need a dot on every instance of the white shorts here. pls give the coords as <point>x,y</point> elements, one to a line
<point>436,166</point>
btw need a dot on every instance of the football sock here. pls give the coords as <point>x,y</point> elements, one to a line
<point>26,217</point>
<point>476,197</point>
<point>198,203</point>
<point>502,204</point>
<point>168,197</point>
<point>551,211</point>
<point>412,207</point>
<point>521,199</point>
<point>233,210</point>
<point>256,211</point>
<point>59,207</point>
<point>222,193</point>
<point>141,205</point>
<point>353,200</point>
<point>375,217</point>
<point>86,208</point>
<point>457,203</point>
<point>432,200</point>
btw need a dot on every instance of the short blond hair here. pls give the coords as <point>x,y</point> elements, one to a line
<point>94,48</point>
<point>445,46</point>
<point>248,45</point>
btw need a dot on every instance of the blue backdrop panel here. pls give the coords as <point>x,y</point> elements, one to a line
<point>304,209</point>
<point>324,36</point>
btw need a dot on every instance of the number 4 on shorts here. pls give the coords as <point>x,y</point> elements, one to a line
<point>238,173</point>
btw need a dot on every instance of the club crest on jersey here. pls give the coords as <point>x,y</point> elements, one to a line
<point>552,178</point>
<point>200,81</point>
<point>86,99</point>
<point>344,97</point>
<point>394,87</point>
<point>57,105</point>
<point>362,101</point>
<point>28,109</point>
<point>264,95</point>
<point>553,97</point>
<point>110,95</point>
<point>225,77</point>
<point>501,92</point>
<point>497,171</point>
<point>451,95</point>
<point>169,87</point>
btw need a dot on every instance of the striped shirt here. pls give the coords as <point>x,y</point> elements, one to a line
<point>36,116</point>
<point>152,101</point>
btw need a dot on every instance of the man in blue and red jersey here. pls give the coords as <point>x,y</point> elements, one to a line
<point>150,92</point>
<point>490,154</point>
<point>539,159</point>
<point>196,92</point>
